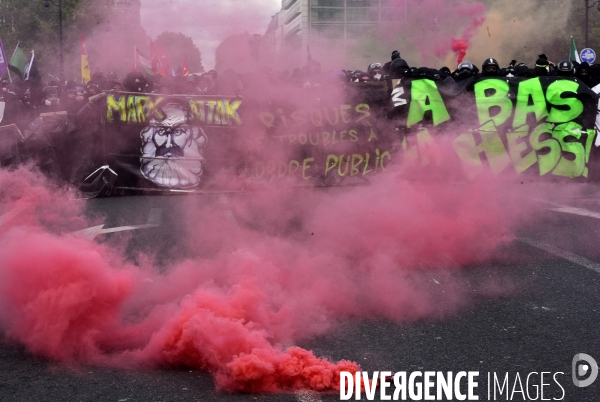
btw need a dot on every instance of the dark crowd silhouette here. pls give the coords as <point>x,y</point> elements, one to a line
<point>26,99</point>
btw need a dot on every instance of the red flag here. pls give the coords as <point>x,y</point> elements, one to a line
<point>164,69</point>
<point>156,64</point>
<point>185,70</point>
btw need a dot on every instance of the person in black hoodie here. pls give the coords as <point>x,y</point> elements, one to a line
<point>387,67</point>
<point>543,67</point>
<point>583,73</point>
<point>521,70</point>
<point>135,82</point>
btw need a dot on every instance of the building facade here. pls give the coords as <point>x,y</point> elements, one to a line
<point>128,10</point>
<point>328,24</point>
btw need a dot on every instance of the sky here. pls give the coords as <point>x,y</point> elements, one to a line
<point>207,22</point>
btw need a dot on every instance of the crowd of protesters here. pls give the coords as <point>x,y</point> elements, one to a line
<point>25,100</point>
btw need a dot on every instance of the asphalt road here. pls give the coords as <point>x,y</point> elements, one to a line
<point>551,313</point>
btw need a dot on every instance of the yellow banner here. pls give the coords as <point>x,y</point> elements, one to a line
<point>85,69</point>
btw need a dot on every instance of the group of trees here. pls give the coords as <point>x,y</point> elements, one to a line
<point>111,34</point>
<point>552,24</point>
<point>112,30</point>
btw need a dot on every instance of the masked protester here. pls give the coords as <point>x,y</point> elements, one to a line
<point>542,67</point>
<point>464,71</point>
<point>521,70</point>
<point>510,70</point>
<point>387,67</point>
<point>93,90</point>
<point>491,68</point>
<point>594,75</point>
<point>98,79</point>
<point>375,71</point>
<point>362,77</point>
<point>583,73</point>
<point>73,99</point>
<point>445,73</point>
<point>112,83</point>
<point>399,69</point>
<point>135,82</point>
<point>50,100</point>
<point>565,69</point>
<point>56,85</point>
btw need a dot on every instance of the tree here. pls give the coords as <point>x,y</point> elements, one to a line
<point>576,26</point>
<point>35,27</point>
<point>111,34</point>
<point>237,52</point>
<point>542,26</point>
<point>177,46</point>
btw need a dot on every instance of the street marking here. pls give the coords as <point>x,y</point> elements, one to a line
<point>154,221</point>
<point>566,209</point>
<point>574,258</point>
<point>12,213</point>
<point>307,396</point>
<point>576,211</point>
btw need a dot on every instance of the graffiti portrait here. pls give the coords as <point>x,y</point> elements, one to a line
<point>172,148</point>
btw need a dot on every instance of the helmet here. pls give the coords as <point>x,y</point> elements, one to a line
<point>565,68</point>
<point>372,67</point>
<point>399,67</point>
<point>395,55</point>
<point>465,64</point>
<point>49,91</point>
<point>93,89</point>
<point>490,66</point>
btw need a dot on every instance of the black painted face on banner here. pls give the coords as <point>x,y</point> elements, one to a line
<point>172,150</point>
<point>171,141</point>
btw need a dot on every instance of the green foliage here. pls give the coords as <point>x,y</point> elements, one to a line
<point>176,46</point>
<point>110,34</point>
<point>35,27</point>
<point>577,25</point>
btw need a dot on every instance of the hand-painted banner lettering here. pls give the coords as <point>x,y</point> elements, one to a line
<point>141,108</point>
<point>541,126</point>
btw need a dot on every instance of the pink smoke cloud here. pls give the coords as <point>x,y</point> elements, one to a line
<point>207,23</point>
<point>364,252</point>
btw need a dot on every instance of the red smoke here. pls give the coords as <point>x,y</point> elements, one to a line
<point>429,26</point>
<point>358,252</point>
<point>476,13</point>
<point>459,47</point>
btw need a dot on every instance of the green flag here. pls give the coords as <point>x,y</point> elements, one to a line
<point>18,61</point>
<point>574,55</point>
